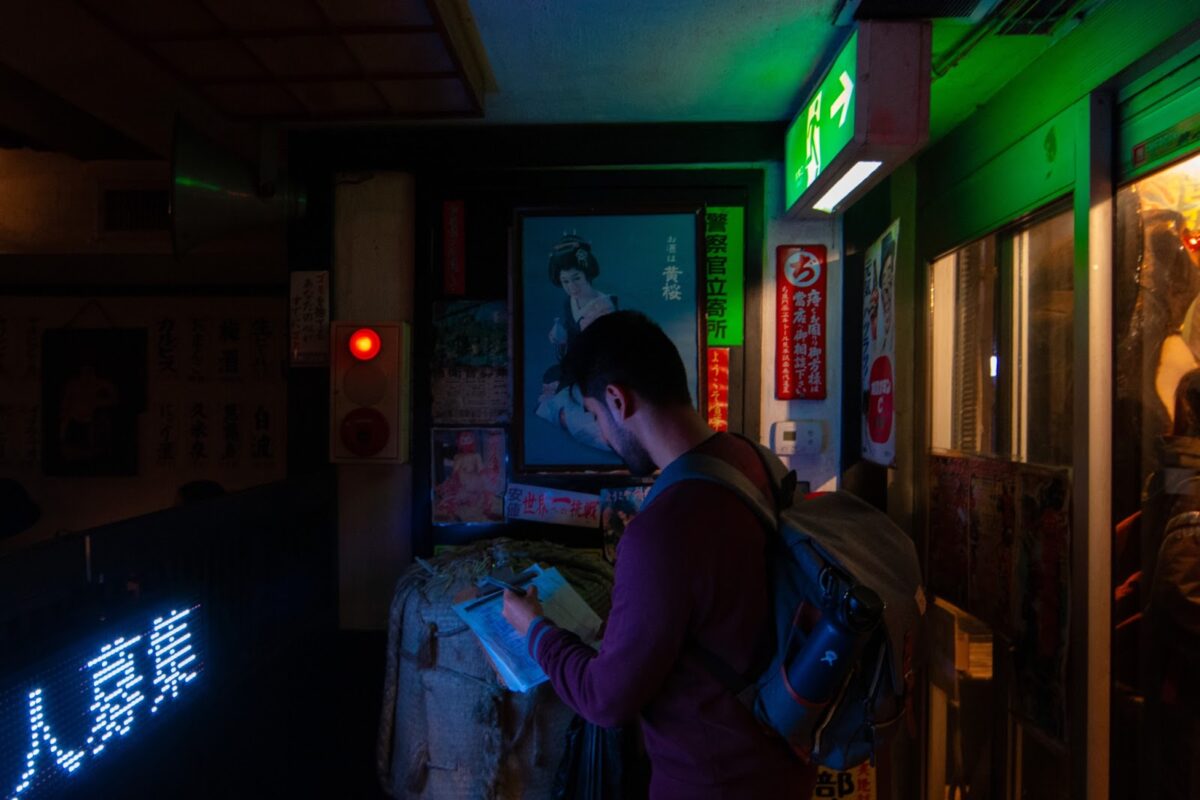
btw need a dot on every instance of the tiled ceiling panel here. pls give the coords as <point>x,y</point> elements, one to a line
<point>267,15</point>
<point>256,100</point>
<point>334,98</point>
<point>401,52</point>
<point>220,59</point>
<point>416,98</point>
<point>155,19</point>
<point>303,60</point>
<point>304,55</point>
<point>378,12</point>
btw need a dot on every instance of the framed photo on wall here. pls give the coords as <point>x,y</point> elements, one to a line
<point>93,388</point>
<point>572,267</point>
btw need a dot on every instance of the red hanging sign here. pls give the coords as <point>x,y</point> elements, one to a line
<point>718,388</point>
<point>800,322</point>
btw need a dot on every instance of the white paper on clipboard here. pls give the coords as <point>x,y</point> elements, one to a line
<point>561,604</point>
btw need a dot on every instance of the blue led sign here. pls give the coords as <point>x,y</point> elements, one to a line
<point>67,716</point>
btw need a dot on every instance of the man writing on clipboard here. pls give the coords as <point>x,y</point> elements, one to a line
<point>691,569</point>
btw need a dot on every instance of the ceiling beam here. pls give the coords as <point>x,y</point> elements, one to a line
<point>44,121</point>
<point>63,48</point>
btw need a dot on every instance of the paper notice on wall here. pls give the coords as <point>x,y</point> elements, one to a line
<point>309,312</point>
<point>542,504</point>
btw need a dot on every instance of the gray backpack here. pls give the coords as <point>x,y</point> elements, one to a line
<point>847,600</point>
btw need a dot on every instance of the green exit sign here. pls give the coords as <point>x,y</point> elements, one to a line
<point>825,125</point>
<point>868,115</point>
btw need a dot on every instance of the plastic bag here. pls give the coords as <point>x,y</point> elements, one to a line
<point>602,764</point>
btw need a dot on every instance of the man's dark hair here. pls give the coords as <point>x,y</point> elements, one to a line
<point>627,348</point>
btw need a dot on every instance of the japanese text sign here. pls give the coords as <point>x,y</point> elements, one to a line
<point>718,388</point>
<point>542,504</point>
<point>724,238</point>
<point>800,293</point>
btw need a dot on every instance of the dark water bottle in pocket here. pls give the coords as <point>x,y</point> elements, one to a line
<point>816,664</point>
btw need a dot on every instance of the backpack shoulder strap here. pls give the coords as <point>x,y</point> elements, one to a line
<point>782,479</point>
<point>697,467</point>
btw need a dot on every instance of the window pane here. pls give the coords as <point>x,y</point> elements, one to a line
<point>1156,487</point>
<point>1043,310</point>
<point>963,302</point>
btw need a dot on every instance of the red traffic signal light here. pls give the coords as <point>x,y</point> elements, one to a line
<point>369,373</point>
<point>364,344</point>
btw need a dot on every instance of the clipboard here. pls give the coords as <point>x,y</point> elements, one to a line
<point>508,651</point>
<point>493,592</point>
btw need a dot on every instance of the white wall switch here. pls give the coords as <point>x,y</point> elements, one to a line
<point>810,437</point>
<point>783,437</point>
<point>804,437</point>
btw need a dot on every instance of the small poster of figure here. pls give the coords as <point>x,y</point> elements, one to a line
<point>879,349</point>
<point>468,475</point>
<point>618,507</point>
<point>93,388</point>
<point>470,362</point>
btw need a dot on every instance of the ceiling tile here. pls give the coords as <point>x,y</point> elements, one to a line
<point>218,58</point>
<point>142,19</point>
<point>255,100</point>
<point>401,52</point>
<point>377,12</point>
<point>261,15</point>
<point>329,98</point>
<point>304,55</point>
<point>442,95</point>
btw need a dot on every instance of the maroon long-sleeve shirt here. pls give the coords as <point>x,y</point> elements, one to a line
<point>689,567</point>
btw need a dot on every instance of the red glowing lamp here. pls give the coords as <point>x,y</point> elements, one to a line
<point>364,344</point>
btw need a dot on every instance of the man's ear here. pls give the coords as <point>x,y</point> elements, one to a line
<point>620,401</point>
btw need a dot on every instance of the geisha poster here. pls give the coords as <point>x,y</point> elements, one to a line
<point>573,269</point>
<point>468,475</point>
<point>879,349</point>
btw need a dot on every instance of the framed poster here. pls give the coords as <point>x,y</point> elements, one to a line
<point>570,269</point>
<point>93,388</point>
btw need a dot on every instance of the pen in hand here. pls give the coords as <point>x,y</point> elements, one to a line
<point>499,584</point>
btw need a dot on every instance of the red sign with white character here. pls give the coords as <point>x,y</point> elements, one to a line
<point>800,322</point>
<point>718,388</point>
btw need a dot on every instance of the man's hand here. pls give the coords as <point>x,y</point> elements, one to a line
<point>521,611</point>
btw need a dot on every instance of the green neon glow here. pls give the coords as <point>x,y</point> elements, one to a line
<point>192,183</point>
<point>824,126</point>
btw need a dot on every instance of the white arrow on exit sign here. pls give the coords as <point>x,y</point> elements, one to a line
<point>843,98</point>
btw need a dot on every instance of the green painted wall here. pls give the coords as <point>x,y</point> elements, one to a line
<point>1016,152</point>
